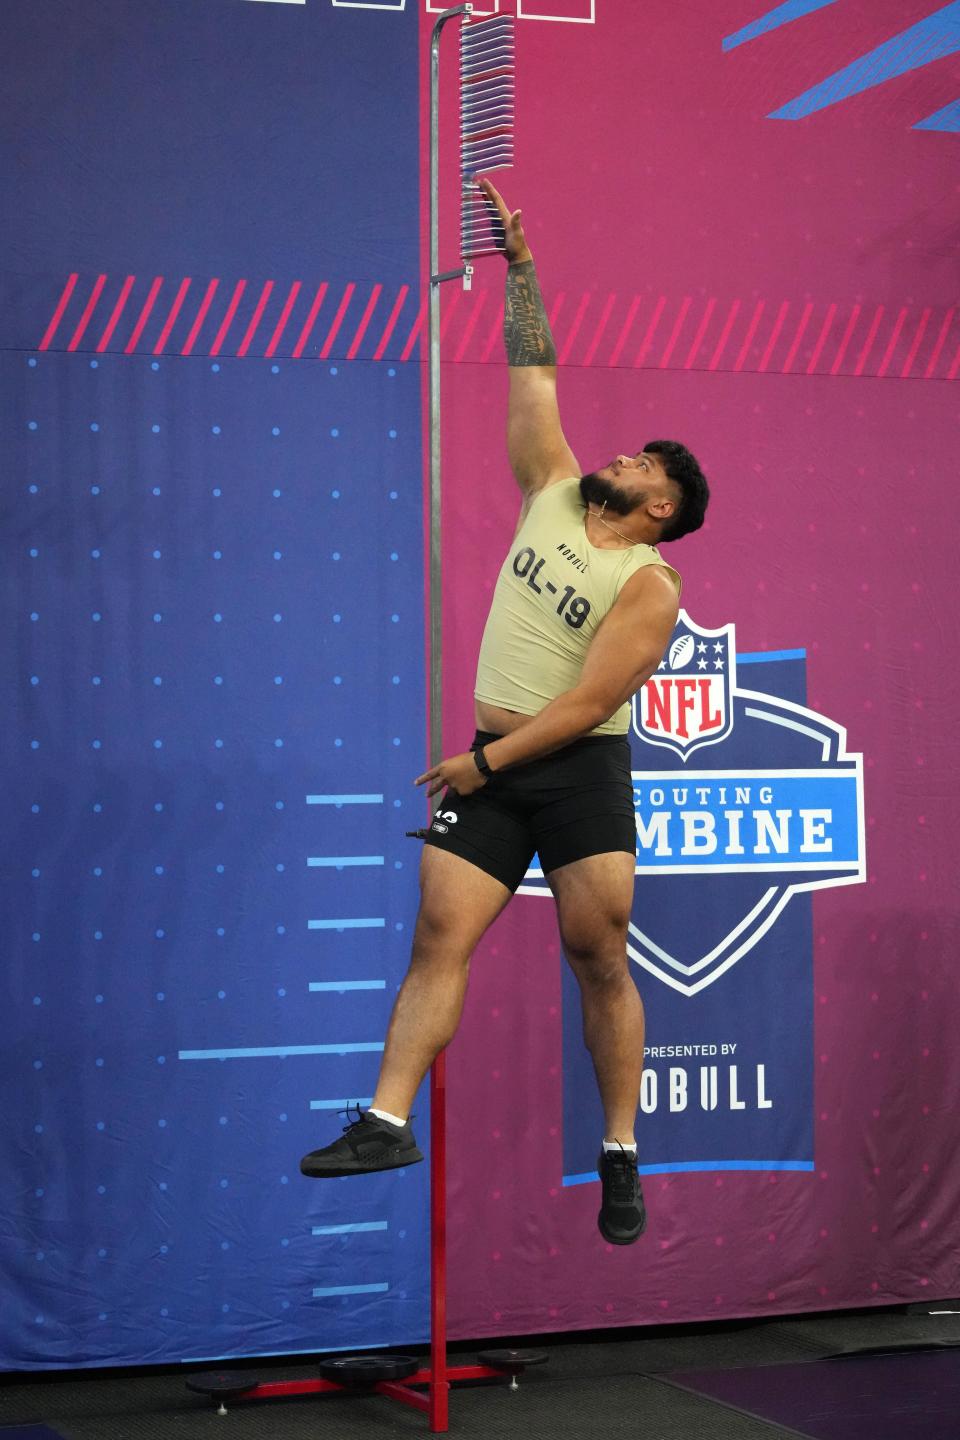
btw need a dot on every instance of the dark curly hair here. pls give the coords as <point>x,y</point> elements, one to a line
<point>683,468</point>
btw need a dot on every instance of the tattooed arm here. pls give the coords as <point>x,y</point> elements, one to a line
<point>539,453</point>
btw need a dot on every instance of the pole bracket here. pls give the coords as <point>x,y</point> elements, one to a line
<point>465,272</point>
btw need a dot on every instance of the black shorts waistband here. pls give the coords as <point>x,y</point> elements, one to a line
<point>487,737</point>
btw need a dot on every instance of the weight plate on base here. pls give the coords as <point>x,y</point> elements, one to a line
<point>359,1370</point>
<point>512,1362</point>
<point>222,1382</point>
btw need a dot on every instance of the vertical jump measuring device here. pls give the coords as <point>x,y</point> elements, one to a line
<point>486,143</point>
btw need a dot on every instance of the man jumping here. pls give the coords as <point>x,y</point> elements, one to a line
<point>582,613</point>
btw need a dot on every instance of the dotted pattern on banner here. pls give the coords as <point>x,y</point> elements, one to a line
<point>212,583</point>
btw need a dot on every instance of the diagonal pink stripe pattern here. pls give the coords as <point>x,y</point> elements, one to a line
<point>364,322</point>
<point>915,343</point>
<point>694,350</point>
<point>625,329</point>
<point>201,315</point>
<point>172,317</point>
<point>310,321</point>
<point>388,330</point>
<point>255,319</point>
<point>868,343</point>
<point>651,329</point>
<point>144,316</point>
<point>574,330</point>
<point>941,340</point>
<point>281,324</point>
<point>221,334</point>
<point>601,327</point>
<point>724,335</point>
<point>89,308</point>
<point>57,316</point>
<point>471,325</point>
<point>821,339</point>
<point>801,330</point>
<point>115,314</point>
<point>888,353</point>
<point>463,322</point>
<point>774,335</point>
<point>847,335</point>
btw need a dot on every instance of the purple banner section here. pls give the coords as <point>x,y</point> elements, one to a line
<point>211,592</point>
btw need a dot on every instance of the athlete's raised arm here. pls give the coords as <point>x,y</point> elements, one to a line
<point>537,447</point>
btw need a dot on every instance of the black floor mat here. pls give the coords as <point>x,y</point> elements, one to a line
<point>909,1396</point>
<point>28,1432</point>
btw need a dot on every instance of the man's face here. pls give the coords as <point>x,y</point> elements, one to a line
<point>626,483</point>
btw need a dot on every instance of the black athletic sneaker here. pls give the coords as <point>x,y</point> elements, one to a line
<point>367,1144</point>
<point>622,1217</point>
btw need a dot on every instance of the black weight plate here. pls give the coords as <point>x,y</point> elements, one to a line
<point>222,1382</point>
<point>512,1362</point>
<point>368,1369</point>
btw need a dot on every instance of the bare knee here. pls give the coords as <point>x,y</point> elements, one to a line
<point>597,953</point>
<point>437,938</point>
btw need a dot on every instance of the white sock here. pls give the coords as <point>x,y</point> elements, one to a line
<point>385,1115</point>
<point>609,1145</point>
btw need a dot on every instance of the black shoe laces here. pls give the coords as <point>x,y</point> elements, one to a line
<point>621,1167</point>
<point>362,1117</point>
<point>351,1124</point>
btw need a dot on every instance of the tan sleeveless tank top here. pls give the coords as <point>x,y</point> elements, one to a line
<point>553,590</point>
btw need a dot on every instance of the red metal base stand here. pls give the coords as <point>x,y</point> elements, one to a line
<point>439,1382</point>
<point>434,1399</point>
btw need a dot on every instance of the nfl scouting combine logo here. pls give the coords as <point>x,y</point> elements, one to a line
<point>744,798</point>
<point>688,702</point>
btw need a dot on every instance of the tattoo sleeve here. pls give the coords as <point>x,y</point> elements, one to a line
<point>526,329</point>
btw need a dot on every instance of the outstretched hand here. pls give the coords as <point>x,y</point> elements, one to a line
<point>515,242</point>
<point>460,773</point>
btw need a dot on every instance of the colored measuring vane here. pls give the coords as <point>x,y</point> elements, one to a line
<point>486,126</point>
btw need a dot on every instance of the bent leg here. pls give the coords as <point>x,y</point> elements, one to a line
<point>458,904</point>
<point>593,898</point>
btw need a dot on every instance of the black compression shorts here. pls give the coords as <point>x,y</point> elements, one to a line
<point>571,804</point>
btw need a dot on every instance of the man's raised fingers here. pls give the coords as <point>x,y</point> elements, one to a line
<point>493,194</point>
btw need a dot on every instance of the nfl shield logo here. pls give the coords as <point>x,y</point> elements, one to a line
<point>687,703</point>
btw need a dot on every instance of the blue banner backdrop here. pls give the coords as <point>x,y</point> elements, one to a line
<point>728,1083</point>
<point>212,593</point>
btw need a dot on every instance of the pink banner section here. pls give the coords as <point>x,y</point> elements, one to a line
<point>873,1222</point>
<point>753,287</point>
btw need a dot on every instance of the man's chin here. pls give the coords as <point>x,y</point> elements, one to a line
<point>598,488</point>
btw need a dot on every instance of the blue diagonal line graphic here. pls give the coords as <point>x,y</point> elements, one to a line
<point>946,119</point>
<point>359,923</point>
<point>321,1290</point>
<point>930,39</point>
<point>779,15</point>
<point>256,1052</point>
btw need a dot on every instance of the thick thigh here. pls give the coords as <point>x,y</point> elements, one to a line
<point>458,902</point>
<point>593,897</point>
<point>485,829</point>
<point>584,805</point>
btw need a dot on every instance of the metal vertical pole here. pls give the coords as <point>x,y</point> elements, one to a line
<point>439,1384</point>
<point>436,629</point>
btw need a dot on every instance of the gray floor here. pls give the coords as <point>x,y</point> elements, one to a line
<point>592,1386</point>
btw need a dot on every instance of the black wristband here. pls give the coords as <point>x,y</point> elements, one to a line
<point>480,760</point>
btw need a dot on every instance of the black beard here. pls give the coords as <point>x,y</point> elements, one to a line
<point>595,490</point>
